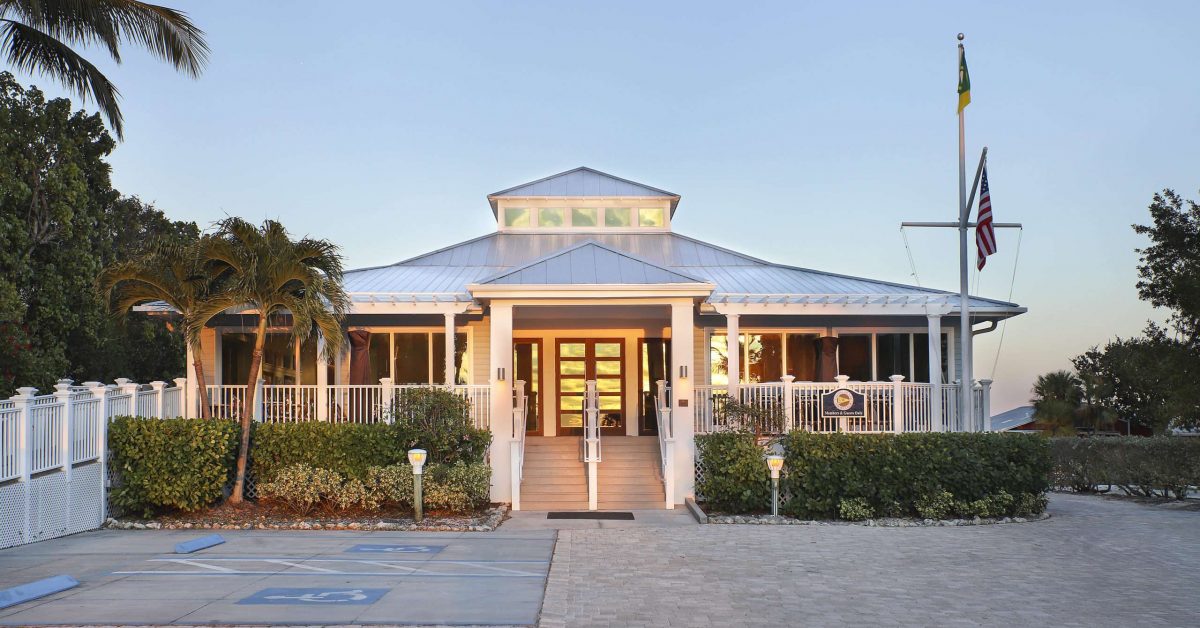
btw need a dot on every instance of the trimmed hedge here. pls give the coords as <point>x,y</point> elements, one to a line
<point>351,448</point>
<point>1145,467</point>
<point>734,475</point>
<point>859,476</point>
<point>167,464</point>
<point>893,473</point>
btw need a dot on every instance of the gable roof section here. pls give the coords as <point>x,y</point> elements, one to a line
<point>590,263</point>
<point>583,181</point>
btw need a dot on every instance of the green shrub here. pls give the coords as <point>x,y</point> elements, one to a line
<point>1147,467</point>
<point>937,505</point>
<point>458,487</point>
<point>167,464</point>
<point>895,472</point>
<point>734,477</point>
<point>352,448</point>
<point>392,485</point>
<point>301,487</point>
<point>855,509</point>
<point>974,508</point>
<point>1028,504</point>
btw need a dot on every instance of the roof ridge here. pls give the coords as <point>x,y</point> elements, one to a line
<point>584,243</point>
<point>579,169</point>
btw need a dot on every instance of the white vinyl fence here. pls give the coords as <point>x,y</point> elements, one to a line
<point>53,454</point>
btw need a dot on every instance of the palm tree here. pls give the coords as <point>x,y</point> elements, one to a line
<point>1056,399</point>
<point>36,37</point>
<point>1094,390</point>
<point>174,274</point>
<point>263,269</point>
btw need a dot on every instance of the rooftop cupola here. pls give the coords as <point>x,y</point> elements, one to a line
<point>583,200</point>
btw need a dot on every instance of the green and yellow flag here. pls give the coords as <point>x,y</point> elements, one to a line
<point>964,80</point>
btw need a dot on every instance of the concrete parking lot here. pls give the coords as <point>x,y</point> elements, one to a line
<point>1096,562</point>
<point>260,577</point>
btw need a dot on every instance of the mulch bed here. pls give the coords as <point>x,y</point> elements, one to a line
<point>268,516</point>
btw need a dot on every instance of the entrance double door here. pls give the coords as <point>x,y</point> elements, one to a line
<point>586,359</point>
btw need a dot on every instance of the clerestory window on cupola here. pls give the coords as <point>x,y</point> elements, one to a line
<point>583,217</point>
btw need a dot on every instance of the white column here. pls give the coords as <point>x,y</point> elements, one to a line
<point>733,352</point>
<point>789,406</point>
<point>935,372</point>
<point>182,384</point>
<point>158,386</point>
<point>897,403</point>
<point>322,381</point>
<point>986,405</point>
<point>387,395</point>
<point>62,394</point>
<point>501,358</point>
<point>21,401</point>
<point>449,349</point>
<point>100,391</point>
<point>259,402</point>
<point>682,417</point>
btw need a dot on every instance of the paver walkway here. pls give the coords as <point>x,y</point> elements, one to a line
<point>1096,562</point>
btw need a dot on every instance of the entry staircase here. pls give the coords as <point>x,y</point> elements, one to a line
<point>628,479</point>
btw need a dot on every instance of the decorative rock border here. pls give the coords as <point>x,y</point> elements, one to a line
<point>486,522</point>
<point>870,523</point>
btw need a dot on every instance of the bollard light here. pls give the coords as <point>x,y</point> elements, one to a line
<point>416,457</point>
<point>775,465</point>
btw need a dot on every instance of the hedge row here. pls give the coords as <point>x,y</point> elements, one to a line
<point>1146,467</point>
<point>170,464</point>
<point>184,464</point>
<point>302,488</point>
<point>846,475</point>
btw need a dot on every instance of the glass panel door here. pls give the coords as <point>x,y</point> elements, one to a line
<point>655,365</point>
<point>527,357</point>
<point>579,361</point>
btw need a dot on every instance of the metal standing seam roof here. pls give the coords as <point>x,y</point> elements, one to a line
<point>584,181</point>
<point>590,263</point>
<point>450,270</point>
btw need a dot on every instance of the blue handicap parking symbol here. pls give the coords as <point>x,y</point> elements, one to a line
<point>331,596</point>
<point>396,549</point>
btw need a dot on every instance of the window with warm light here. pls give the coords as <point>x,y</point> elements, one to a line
<point>516,217</point>
<point>583,217</point>
<point>552,217</point>
<point>650,217</point>
<point>617,217</point>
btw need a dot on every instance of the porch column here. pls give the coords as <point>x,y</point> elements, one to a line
<point>733,352</point>
<point>935,373</point>
<point>449,348</point>
<point>189,397</point>
<point>682,418</point>
<point>322,413</point>
<point>500,375</point>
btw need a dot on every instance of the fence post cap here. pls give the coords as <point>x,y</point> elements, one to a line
<point>157,384</point>
<point>121,381</point>
<point>985,382</point>
<point>385,381</point>
<point>897,378</point>
<point>63,386</point>
<point>842,379</point>
<point>90,384</point>
<point>180,382</point>
<point>25,392</point>
<point>787,379</point>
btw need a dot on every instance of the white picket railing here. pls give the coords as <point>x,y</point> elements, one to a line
<point>53,458</point>
<point>895,406</point>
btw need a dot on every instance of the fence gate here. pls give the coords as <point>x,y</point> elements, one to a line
<point>52,454</point>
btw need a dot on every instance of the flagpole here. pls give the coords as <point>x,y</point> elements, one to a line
<point>966,405</point>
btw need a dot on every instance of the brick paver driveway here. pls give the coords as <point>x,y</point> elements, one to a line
<point>1096,562</point>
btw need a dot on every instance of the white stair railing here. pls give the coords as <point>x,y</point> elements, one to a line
<point>520,412</point>
<point>666,441</point>
<point>590,443</point>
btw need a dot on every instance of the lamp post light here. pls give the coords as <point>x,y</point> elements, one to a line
<point>416,457</point>
<point>775,464</point>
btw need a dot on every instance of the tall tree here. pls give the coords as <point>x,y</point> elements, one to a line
<point>36,36</point>
<point>177,275</point>
<point>286,282</point>
<point>1056,399</point>
<point>61,221</point>
<point>1169,269</point>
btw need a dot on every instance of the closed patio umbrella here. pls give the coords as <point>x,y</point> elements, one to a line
<point>827,368</point>
<point>360,358</point>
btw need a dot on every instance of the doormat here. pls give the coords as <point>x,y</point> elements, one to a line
<point>591,514</point>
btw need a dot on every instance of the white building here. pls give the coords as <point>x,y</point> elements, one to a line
<point>585,286</point>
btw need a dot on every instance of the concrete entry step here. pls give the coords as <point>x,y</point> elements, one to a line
<point>556,479</point>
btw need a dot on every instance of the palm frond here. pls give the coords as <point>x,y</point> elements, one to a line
<point>31,51</point>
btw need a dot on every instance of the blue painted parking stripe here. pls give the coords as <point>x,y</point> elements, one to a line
<point>371,548</point>
<point>195,545</point>
<point>34,590</point>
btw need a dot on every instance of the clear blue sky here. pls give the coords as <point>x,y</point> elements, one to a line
<point>800,134</point>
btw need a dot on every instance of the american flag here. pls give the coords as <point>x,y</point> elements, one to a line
<point>985,234</point>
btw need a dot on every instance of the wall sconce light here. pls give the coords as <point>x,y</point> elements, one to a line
<point>682,371</point>
<point>500,374</point>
